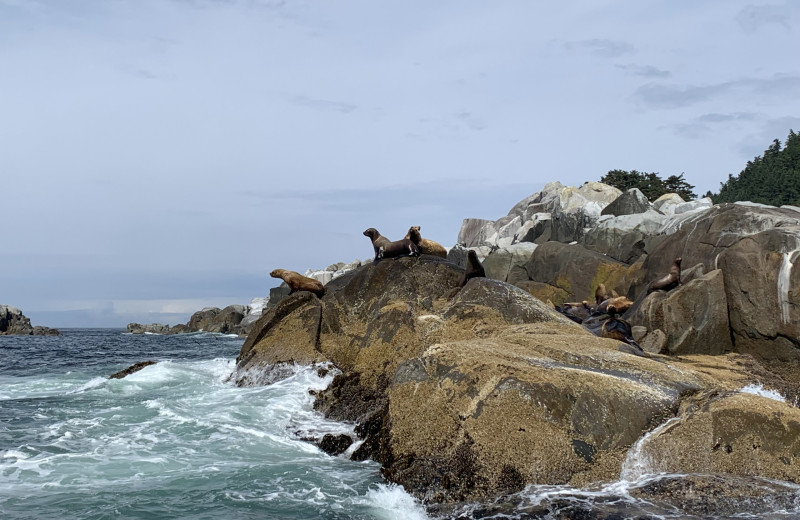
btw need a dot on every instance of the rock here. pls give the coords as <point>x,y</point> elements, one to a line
<point>630,202</point>
<point>480,394</point>
<point>693,205</point>
<point>575,270</point>
<point>335,444</point>
<point>727,433</point>
<point>473,231</point>
<point>755,248</point>
<point>152,328</point>
<point>12,321</point>
<point>667,202</point>
<point>507,264</point>
<point>718,496</point>
<point>254,310</point>
<point>627,237</point>
<point>693,317</point>
<point>131,369</point>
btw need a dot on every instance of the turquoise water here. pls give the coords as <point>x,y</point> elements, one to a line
<point>175,440</point>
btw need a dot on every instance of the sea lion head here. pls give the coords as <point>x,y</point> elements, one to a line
<point>371,232</point>
<point>413,234</point>
<point>276,273</point>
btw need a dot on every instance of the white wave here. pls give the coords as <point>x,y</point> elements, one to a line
<point>391,502</point>
<point>757,389</point>
<point>93,383</point>
<point>639,462</point>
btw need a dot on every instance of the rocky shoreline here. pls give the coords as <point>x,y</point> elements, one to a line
<point>467,394</point>
<point>12,321</point>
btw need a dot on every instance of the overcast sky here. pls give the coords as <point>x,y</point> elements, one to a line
<point>159,156</point>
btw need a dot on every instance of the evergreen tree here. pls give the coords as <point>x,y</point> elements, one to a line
<point>650,184</point>
<point>773,178</point>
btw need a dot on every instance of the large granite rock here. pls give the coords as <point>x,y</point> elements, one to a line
<point>755,247</point>
<point>693,318</point>
<point>630,202</point>
<point>12,321</point>
<point>576,271</point>
<point>481,393</point>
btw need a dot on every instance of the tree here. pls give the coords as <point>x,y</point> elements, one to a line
<point>773,178</point>
<point>650,184</point>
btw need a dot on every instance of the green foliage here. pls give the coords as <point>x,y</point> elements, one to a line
<point>773,179</point>
<point>650,184</point>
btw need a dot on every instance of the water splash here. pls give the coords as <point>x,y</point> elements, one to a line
<point>763,392</point>
<point>639,462</point>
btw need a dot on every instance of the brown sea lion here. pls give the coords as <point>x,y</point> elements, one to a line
<point>377,239</point>
<point>620,330</point>
<point>404,247</point>
<point>298,282</point>
<point>600,294</point>
<point>474,268</point>
<point>576,311</point>
<point>613,306</point>
<point>670,281</point>
<point>426,247</point>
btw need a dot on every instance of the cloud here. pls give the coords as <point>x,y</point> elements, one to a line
<point>656,95</point>
<point>647,71</point>
<point>472,122</point>
<point>708,124</point>
<point>605,48</point>
<point>753,17</point>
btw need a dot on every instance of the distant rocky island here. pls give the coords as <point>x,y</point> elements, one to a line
<point>465,393</point>
<point>12,321</point>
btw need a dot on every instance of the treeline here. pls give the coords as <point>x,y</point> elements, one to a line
<point>773,179</point>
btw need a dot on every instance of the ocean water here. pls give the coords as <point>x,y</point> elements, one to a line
<point>177,440</point>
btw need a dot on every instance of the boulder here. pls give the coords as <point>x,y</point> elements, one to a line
<point>626,237</point>
<point>630,202</point>
<point>667,202</point>
<point>755,247</point>
<point>507,264</point>
<point>575,270</point>
<point>693,318</point>
<point>150,328</point>
<point>482,393</point>
<point>722,432</point>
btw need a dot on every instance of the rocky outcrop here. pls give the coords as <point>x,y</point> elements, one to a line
<point>491,390</point>
<point>12,321</point>
<point>131,369</point>
<point>230,320</point>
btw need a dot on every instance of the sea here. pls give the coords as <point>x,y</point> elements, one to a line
<point>178,440</point>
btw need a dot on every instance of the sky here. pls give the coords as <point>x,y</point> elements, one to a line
<point>161,156</point>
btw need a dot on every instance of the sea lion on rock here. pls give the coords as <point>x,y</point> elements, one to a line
<point>474,268</point>
<point>426,247</point>
<point>620,330</point>
<point>613,306</point>
<point>600,294</point>
<point>377,239</point>
<point>298,282</point>
<point>670,281</point>
<point>397,248</point>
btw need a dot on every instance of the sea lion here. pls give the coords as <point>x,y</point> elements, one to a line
<point>298,282</point>
<point>397,248</point>
<point>600,294</point>
<point>670,281</point>
<point>474,268</point>
<point>620,330</point>
<point>426,247</point>
<point>377,239</point>
<point>576,311</point>
<point>613,306</point>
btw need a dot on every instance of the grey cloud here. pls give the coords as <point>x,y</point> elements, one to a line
<point>472,122</point>
<point>607,48</point>
<point>753,17</point>
<point>725,118</point>
<point>647,71</point>
<point>657,95</point>
<point>323,104</point>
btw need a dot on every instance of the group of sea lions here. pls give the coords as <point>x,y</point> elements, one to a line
<point>410,245</point>
<point>603,317</point>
